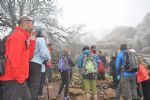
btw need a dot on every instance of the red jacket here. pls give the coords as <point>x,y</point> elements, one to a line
<point>142,74</point>
<point>18,52</point>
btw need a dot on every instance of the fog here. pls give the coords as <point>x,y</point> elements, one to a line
<point>102,16</point>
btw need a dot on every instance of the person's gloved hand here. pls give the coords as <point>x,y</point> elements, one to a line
<point>49,64</point>
<point>118,77</point>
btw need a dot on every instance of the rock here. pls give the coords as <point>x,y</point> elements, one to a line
<point>109,79</point>
<point>78,97</point>
<point>106,97</point>
<point>54,98</point>
<point>110,93</point>
<point>76,91</point>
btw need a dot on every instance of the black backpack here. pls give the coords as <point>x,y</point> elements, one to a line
<point>2,57</point>
<point>130,62</point>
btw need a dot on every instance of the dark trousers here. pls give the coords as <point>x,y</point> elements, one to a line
<point>146,89</point>
<point>34,79</point>
<point>42,83</point>
<point>65,77</point>
<point>11,90</point>
<point>115,81</point>
<point>101,76</point>
<point>0,91</point>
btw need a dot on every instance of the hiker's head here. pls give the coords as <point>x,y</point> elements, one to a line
<point>101,53</point>
<point>66,51</point>
<point>85,48</point>
<point>39,31</point>
<point>87,52</point>
<point>26,23</point>
<point>123,47</point>
<point>93,49</point>
<point>50,44</point>
<point>50,47</point>
<point>114,55</point>
<point>141,61</point>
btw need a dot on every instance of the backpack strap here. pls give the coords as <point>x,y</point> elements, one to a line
<point>65,58</point>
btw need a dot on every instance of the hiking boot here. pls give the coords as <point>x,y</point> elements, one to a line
<point>57,95</point>
<point>66,98</point>
<point>41,97</point>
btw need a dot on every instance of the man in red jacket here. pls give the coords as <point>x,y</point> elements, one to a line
<point>18,51</point>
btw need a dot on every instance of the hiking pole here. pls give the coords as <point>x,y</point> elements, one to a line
<point>47,83</point>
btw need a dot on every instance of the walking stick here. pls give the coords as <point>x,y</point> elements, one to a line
<point>47,83</point>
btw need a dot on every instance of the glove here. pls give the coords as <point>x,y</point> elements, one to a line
<point>49,64</point>
<point>118,77</point>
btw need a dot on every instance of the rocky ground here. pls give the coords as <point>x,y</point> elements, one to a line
<point>104,88</point>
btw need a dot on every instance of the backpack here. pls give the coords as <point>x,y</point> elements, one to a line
<point>130,62</point>
<point>89,65</point>
<point>100,67</point>
<point>63,64</point>
<point>2,57</point>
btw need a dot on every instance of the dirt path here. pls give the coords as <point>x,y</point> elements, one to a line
<point>53,88</point>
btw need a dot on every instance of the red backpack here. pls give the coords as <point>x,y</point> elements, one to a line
<point>100,67</point>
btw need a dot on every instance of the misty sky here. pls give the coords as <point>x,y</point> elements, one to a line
<point>101,16</point>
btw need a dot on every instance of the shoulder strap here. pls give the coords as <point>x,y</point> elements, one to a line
<point>65,58</point>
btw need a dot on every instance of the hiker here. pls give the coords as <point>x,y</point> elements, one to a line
<point>87,63</point>
<point>18,51</point>
<point>44,72</point>
<point>0,81</point>
<point>126,76</point>
<point>41,54</point>
<point>65,67</point>
<point>143,78</point>
<point>102,58</point>
<point>0,38</point>
<point>49,69</point>
<point>113,70</point>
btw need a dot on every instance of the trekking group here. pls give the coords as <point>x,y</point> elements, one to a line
<point>25,59</point>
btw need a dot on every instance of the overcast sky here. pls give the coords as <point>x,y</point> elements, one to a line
<point>101,16</point>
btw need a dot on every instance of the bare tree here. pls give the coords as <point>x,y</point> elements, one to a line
<point>43,11</point>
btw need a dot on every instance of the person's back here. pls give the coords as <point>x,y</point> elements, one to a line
<point>41,56</point>
<point>41,51</point>
<point>127,78</point>
<point>113,66</point>
<point>65,67</point>
<point>120,63</point>
<point>103,58</point>
<point>87,63</point>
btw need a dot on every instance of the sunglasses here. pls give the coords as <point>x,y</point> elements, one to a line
<point>32,21</point>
